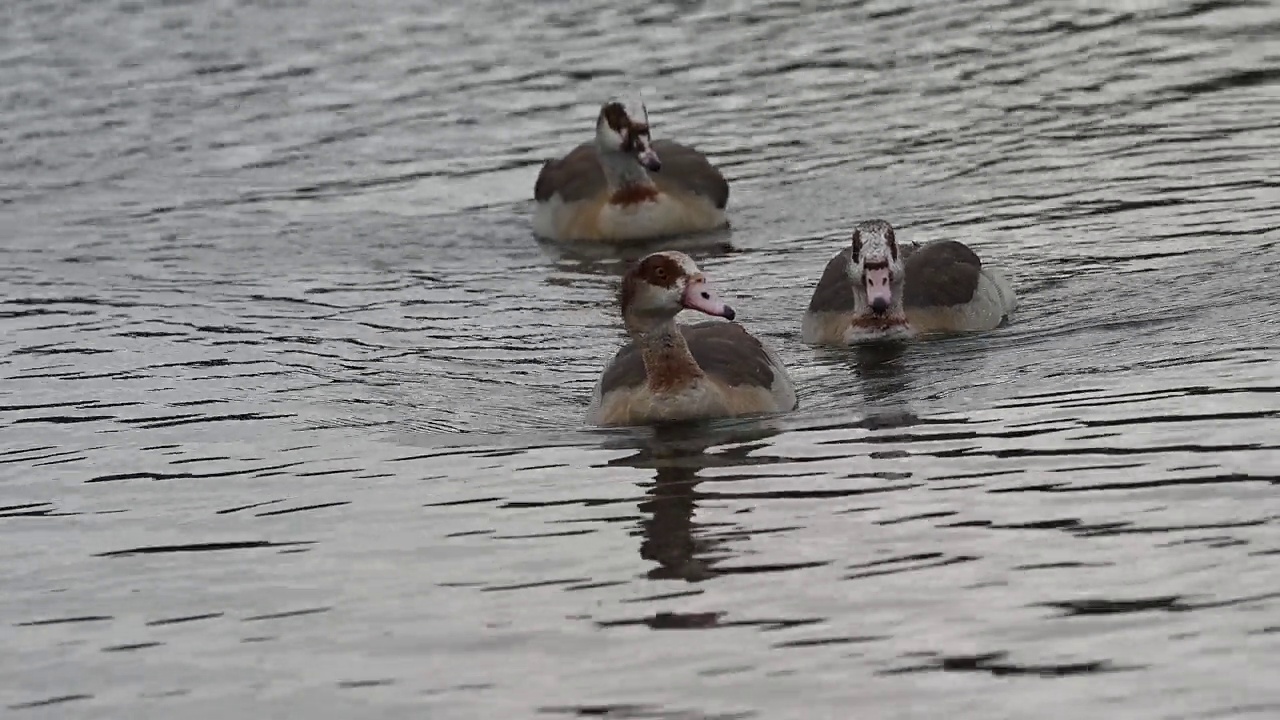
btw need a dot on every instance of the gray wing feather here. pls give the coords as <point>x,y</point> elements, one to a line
<point>689,170</point>
<point>941,274</point>
<point>834,292</point>
<point>723,350</point>
<point>576,176</point>
<point>626,370</point>
<point>729,353</point>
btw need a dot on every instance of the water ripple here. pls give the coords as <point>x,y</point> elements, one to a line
<point>292,400</point>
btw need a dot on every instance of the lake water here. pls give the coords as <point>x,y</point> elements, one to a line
<point>291,412</point>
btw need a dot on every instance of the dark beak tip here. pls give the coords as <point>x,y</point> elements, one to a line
<point>729,313</point>
<point>655,166</point>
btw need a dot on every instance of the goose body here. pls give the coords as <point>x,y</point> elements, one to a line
<point>876,290</point>
<point>669,372</point>
<point>622,187</point>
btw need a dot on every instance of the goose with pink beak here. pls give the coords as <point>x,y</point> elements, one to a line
<point>876,290</point>
<point>670,372</point>
<point>623,186</point>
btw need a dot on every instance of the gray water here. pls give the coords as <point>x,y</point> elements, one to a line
<point>292,399</point>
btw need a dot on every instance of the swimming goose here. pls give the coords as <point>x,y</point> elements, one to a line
<point>684,372</point>
<point>873,290</point>
<point>622,187</point>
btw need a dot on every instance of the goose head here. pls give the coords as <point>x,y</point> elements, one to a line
<point>876,276</point>
<point>662,284</point>
<point>876,269</point>
<point>617,132</point>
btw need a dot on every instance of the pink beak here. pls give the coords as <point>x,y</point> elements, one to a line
<point>699,296</point>
<point>649,159</point>
<point>879,289</point>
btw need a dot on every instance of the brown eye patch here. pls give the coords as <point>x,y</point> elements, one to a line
<point>616,117</point>
<point>658,270</point>
<point>631,138</point>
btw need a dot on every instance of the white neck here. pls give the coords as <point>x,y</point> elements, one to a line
<point>622,170</point>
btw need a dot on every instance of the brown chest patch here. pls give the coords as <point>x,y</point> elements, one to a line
<point>634,195</point>
<point>878,322</point>
<point>724,351</point>
<point>669,371</point>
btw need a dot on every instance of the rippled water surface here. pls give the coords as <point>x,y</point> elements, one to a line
<point>291,402</point>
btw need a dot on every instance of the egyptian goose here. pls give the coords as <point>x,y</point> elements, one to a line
<point>671,372</point>
<point>875,291</point>
<point>624,188</point>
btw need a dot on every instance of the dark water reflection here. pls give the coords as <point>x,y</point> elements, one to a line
<point>291,400</point>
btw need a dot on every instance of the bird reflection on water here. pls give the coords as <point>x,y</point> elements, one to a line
<point>677,453</point>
